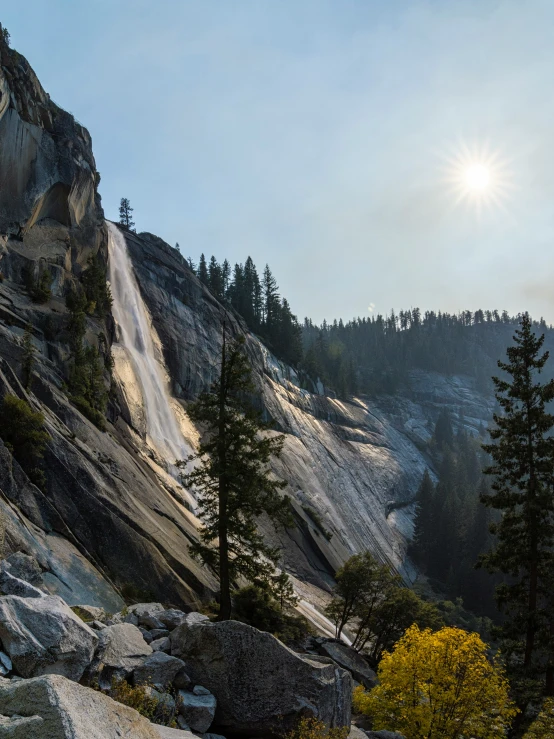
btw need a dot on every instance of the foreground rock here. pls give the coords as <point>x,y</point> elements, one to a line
<point>261,686</point>
<point>66,710</point>
<point>121,648</point>
<point>43,636</point>
<point>158,670</point>
<point>348,658</point>
<point>197,710</point>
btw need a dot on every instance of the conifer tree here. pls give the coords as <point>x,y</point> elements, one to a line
<point>126,214</point>
<point>423,523</point>
<point>233,480</point>
<point>522,452</point>
<point>203,270</point>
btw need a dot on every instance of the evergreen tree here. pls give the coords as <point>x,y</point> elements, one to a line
<point>233,479</point>
<point>203,270</point>
<point>522,452</point>
<point>424,528</point>
<point>5,35</point>
<point>126,214</point>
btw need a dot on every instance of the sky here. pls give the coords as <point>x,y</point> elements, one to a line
<point>325,137</point>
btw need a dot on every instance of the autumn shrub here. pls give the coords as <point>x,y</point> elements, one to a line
<point>543,726</point>
<point>439,684</point>
<point>312,728</point>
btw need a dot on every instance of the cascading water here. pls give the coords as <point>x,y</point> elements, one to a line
<point>135,335</point>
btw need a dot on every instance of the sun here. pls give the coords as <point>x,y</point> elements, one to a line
<point>478,176</point>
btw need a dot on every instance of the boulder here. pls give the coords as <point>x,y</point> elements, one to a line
<point>172,618</point>
<point>67,710</point>
<point>166,733</point>
<point>25,568</point>
<point>43,635</point>
<point>5,664</point>
<point>157,633</point>
<point>161,645</point>
<point>197,710</point>
<point>121,648</point>
<point>151,622</point>
<point>19,727</point>
<point>348,658</point>
<point>261,686</point>
<point>10,585</point>
<point>158,669</point>
<point>182,681</point>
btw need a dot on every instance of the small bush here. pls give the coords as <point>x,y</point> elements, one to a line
<point>312,728</point>
<point>22,430</point>
<point>140,698</point>
<point>39,290</point>
<point>256,606</point>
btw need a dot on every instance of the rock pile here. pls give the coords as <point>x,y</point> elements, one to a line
<point>200,676</point>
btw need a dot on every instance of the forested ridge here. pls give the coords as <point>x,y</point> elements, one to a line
<point>368,355</point>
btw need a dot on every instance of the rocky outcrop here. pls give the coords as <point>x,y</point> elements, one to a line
<point>56,708</point>
<point>261,686</point>
<point>47,169</point>
<point>348,659</point>
<point>42,636</point>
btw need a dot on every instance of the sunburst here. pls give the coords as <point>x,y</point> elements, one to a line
<point>478,177</point>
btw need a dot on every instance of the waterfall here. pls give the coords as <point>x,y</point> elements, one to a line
<point>135,335</point>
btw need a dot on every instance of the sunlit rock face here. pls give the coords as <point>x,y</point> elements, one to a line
<point>355,465</point>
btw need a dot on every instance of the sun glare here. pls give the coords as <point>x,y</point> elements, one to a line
<point>478,177</point>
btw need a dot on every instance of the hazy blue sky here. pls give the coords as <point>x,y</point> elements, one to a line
<point>313,135</point>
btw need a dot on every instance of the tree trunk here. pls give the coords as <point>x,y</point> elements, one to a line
<point>225,605</point>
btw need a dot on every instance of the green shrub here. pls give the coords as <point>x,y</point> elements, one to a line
<point>22,430</point>
<point>38,290</point>
<point>97,291</point>
<point>85,384</point>
<point>140,698</point>
<point>255,605</point>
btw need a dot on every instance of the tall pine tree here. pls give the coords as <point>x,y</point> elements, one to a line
<point>126,214</point>
<point>522,467</point>
<point>233,480</point>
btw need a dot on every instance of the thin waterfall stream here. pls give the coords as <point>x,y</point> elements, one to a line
<point>135,335</point>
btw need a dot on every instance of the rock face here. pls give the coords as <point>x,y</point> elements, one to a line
<point>43,636</point>
<point>350,660</point>
<point>52,707</point>
<point>38,180</point>
<point>260,685</point>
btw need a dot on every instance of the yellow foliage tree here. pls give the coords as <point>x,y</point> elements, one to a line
<point>543,726</point>
<point>439,685</point>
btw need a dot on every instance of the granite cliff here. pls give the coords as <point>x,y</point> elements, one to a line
<point>111,517</point>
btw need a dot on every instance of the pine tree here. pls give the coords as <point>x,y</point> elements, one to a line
<point>28,360</point>
<point>423,523</point>
<point>126,214</point>
<point>523,472</point>
<point>233,479</point>
<point>203,270</point>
